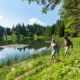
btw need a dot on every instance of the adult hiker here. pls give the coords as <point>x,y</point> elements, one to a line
<point>67,44</point>
<point>54,47</point>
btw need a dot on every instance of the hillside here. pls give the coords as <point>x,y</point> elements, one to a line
<point>38,67</point>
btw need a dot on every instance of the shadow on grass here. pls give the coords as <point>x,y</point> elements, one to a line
<point>58,60</point>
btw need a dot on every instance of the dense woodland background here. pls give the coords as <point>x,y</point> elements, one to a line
<point>69,23</point>
<point>29,30</point>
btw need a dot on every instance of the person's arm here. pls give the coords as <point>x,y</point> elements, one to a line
<point>57,48</point>
<point>71,44</point>
<point>63,44</point>
<point>49,48</point>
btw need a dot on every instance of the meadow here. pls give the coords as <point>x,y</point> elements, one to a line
<point>39,67</point>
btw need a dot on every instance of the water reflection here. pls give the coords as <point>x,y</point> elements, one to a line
<point>35,46</point>
<point>1,49</point>
<point>32,51</point>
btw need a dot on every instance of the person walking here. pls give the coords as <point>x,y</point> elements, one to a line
<point>67,44</point>
<point>54,47</point>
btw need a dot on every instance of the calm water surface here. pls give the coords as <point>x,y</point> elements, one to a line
<point>35,46</point>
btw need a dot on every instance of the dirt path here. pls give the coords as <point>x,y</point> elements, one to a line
<point>20,76</point>
<point>73,68</point>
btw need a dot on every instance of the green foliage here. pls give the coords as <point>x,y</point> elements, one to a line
<point>79,34</point>
<point>28,30</point>
<point>69,12</point>
<point>48,5</point>
<point>1,31</point>
<point>56,29</point>
<point>38,67</point>
<point>15,59</point>
<point>44,53</point>
<point>35,56</point>
<point>8,62</point>
<point>60,27</point>
<point>34,30</point>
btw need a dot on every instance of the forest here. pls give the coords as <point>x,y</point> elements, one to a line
<point>38,66</point>
<point>29,30</point>
<point>67,25</point>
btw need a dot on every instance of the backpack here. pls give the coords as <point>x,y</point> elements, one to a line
<point>67,42</point>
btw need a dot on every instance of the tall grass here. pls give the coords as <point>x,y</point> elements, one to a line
<point>41,69</point>
<point>9,61</point>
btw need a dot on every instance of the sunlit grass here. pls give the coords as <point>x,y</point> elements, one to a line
<point>41,67</point>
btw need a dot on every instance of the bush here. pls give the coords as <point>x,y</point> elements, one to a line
<point>74,34</point>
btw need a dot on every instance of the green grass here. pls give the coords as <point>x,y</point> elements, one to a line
<point>9,62</point>
<point>66,69</point>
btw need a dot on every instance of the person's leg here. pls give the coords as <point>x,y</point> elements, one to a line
<point>54,56</point>
<point>51,57</point>
<point>66,50</point>
<point>65,53</point>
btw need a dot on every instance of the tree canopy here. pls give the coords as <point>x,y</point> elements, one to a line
<point>48,4</point>
<point>69,12</point>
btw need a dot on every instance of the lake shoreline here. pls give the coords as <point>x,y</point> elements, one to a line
<point>36,60</point>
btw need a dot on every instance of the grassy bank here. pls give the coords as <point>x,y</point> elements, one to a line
<point>37,67</point>
<point>15,37</point>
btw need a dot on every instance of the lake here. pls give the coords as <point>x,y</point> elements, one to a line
<point>34,46</point>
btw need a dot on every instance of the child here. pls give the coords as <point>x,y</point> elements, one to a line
<point>54,46</point>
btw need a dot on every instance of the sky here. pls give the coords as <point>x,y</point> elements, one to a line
<point>13,12</point>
